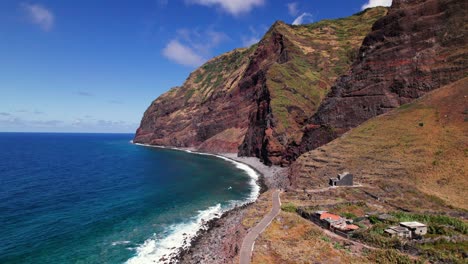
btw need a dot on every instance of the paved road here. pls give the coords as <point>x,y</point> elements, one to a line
<point>249,239</point>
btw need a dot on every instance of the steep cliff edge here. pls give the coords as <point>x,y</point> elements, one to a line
<point>255,101</point>
<point>419,46</point>
<point>208,104</point>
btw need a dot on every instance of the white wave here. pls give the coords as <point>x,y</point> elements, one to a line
<point>121,242</point>
<point>164,250</point>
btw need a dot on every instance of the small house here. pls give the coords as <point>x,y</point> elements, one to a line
<point>342,225</point>
<point>416,228</point>
<point>343,179</point>
<point>398,231</point>
<point>327,215</point>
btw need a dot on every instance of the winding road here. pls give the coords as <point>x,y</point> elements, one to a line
<point>249,239</point>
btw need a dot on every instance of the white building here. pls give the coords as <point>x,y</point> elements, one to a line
<point>416,228</point>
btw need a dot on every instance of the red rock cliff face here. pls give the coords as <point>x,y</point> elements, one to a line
<point>210,105</point>
<point>255,101</point>
<point>419,46</point>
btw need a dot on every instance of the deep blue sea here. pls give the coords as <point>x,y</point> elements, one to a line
<point>97,198</point>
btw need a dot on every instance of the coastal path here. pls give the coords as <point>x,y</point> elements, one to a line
<point>249,239</point>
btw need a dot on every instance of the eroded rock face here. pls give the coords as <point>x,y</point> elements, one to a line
<point>419,46</point>
<point>210,105</point>
<point>256,101</point>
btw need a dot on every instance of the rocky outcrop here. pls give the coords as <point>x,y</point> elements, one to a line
<point>419,46</point>
<point>256,101</point>
<point>209,104</point>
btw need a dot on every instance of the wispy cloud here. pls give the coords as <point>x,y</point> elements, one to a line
<point>47,122</point>
<point>19,122</point>
<point>192,47</point>
<point>292,8</point>
<point>82,124</point>
<point>4,114</point>
<point>182,54</point>
<point>249,41</point>
<point>39,15</point>
<point>302,19</point>
<point>254,36</point>
<point>83,93</point>
<point>233,7</point>
<point>374,3</point>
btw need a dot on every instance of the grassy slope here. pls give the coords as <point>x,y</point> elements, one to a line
<point>414,157</point>
<point>317,54</point>
<point>420,147</point>
<point>218,74</point>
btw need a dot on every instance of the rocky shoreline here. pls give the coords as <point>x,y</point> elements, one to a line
<point>220,239</point>
<point>220,242</point>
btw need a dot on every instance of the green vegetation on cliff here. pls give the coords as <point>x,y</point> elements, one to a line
<point>294,65</point>
<point>316,55</point>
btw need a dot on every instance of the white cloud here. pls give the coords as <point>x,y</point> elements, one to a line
<point>304,18</point>
<point>182,54</point>
<point>39,15</point>
<point>192,47</point>
<point>374,3</point>
<point>234,7</point>
<point>292,9</point>
<point>254,36</point>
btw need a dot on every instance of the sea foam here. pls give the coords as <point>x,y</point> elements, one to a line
<point>166,249</point>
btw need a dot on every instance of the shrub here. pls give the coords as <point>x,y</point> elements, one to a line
<point>428,219</point>
<point>289,207</point>
<point>390,256</point>
<point>374,219</point>
<point>348,215</point>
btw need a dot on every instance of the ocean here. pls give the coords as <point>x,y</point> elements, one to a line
<point>98,198</point>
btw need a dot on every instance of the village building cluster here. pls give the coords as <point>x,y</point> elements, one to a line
<point>345,227</point>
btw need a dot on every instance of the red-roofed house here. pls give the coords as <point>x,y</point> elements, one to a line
<point>327,215</point>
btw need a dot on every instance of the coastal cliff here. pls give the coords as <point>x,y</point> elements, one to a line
<point>417,47</point>
<point>255,101</point>
<point>303,86</point>
<point>381,94</point>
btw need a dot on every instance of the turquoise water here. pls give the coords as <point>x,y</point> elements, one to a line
<point>97,198</point>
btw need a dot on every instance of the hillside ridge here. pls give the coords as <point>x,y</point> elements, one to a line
<point>254,101</point>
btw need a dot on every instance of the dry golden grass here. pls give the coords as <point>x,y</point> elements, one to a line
<point>420,147</point>
<point>258,210</point>
<point>292,239</point>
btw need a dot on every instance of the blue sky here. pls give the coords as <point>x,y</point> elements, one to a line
<point>95,66</point>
